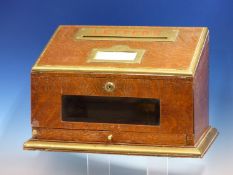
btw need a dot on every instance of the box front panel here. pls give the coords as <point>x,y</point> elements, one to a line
<point>109,108</point>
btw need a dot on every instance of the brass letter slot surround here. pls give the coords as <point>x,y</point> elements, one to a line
<point>116,33</point>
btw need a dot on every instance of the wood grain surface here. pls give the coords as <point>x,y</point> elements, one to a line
<point>183,99</point>
<point>65,50</point>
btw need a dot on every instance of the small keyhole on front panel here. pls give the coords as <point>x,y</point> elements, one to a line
<point>109,86</point>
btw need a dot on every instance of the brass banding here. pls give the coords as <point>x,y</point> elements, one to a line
<point>139,34</point>
<point>142,70</point>
<point>197,151</point>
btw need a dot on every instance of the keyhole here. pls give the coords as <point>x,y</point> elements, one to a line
<point>109,87</point>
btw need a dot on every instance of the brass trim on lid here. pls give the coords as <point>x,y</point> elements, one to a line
<point>116,49</point>
<point>148,70</point>
<point>127,34</point>
<point>198,50</point>
<point>190,71</point>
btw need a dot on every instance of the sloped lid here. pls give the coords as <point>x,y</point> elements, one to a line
<point>124,49</point>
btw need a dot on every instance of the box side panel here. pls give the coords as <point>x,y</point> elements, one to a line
<point>201,93</point>
<point>176,107</point>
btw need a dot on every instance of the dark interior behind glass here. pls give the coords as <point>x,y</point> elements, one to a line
<point>99,109</point>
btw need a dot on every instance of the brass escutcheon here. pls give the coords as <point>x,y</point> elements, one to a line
<point>110,137</point>
<point>109,87</point>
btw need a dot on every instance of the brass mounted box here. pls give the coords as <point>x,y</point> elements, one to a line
<point>123,90</point>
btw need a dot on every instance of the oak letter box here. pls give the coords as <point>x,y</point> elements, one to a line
<point>122,90</point>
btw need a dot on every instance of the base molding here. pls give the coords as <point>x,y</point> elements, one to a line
<point>196,151</point>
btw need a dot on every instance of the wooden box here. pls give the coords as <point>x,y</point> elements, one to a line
<point>122,90</point>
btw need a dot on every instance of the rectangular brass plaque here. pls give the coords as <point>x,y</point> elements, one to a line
<point>116,54</point>
<point>116,33</point>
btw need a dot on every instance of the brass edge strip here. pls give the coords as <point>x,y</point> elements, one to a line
<point>198,50</point>
<point>126,27</point>
<point>114,149</point>
<point>197,151</point>
<point>97,33</point>
<point>189,72</point>
<point>207,141</point>
<point>49,68</point>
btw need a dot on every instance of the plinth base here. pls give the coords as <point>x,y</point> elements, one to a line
<point>196,151</point>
